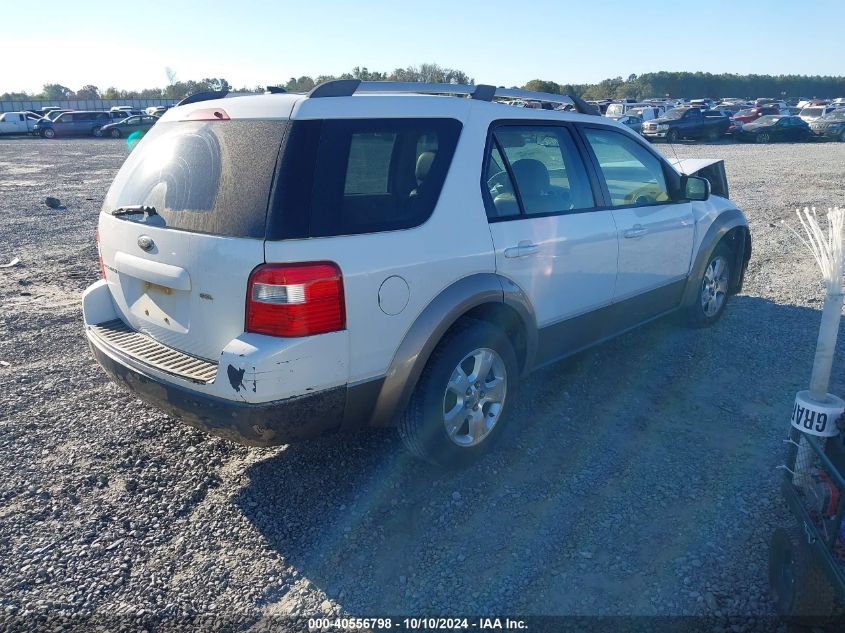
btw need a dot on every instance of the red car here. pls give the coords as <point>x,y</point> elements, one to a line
<point>751,114</point>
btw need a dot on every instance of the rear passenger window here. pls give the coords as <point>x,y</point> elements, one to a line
<point>547,169</point>
<point>634,176</point>
<point>376,175</point>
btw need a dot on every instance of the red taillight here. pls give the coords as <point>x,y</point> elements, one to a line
<point>100,255</point>
<point>295,299</point>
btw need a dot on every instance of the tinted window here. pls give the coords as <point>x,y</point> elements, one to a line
<point>500,186</point>
<point>545,164</point>
<point>375,175</point>
<point>209,177</point>
<point>634,176</point>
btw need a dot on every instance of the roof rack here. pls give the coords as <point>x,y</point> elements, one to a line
<point>480,92</point>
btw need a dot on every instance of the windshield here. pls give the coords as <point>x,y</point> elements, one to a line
<point>615,109</point>
<point>675,113</point>
<point>834,116</point>
<point>812,111</point>
<point>746,112</point>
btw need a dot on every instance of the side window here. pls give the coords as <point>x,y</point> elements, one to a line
<point>549,174</point>
<point>368,166</point>
<point>500,186</point>
<point>375,175</point>
<point>634,176</point>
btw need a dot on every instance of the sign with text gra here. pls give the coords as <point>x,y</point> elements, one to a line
<point>816,418</point>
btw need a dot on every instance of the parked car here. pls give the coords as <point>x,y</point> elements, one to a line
<point>632,121</point>
<point>752,114</point>
<point>129,125</point>
<point>52,114</point>
<point>772,128</point>
<point>813,112</point>
<point>17,122</point>
<point>686,122</point>
<point>619,108</point>
<point>77,123</point>
<point>271,278</point>
<point>647,112</point>
<point>830,126</point>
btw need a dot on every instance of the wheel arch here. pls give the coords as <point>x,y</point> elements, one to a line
<point>483,296</point>
<point>729,227</point>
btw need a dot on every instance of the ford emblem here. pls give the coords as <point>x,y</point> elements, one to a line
<point>146,243</point>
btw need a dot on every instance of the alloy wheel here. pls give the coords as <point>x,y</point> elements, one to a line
<point>714,286</point>
<point>475,397</point>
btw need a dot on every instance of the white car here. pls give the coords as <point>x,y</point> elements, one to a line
<point>276,267</point>
<point>810,113</point>
<point>17,122</point>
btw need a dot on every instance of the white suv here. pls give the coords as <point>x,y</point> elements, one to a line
<point>276,267</point>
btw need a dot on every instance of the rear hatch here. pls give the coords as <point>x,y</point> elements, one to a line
<point>179,273</point>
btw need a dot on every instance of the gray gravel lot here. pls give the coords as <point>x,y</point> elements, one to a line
<point>642,483</point>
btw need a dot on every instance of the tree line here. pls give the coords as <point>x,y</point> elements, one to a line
<point>660,84</point>
<point>699,84</point>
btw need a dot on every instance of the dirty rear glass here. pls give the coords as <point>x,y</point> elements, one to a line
<point>203,176</point>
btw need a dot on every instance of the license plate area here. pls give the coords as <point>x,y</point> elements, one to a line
<point>156,305</point>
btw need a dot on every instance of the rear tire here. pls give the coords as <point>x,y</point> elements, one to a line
<point>763,137</point>
<point>712,290</point>
<point>800,591</point>
<point>842,137</point>
<point>452,429</point>
<point>712,134</point>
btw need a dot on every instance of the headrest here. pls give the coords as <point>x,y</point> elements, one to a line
<point>531,175</point>
<point>424,164</point>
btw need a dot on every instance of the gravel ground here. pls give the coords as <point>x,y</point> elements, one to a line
<point>643,483</point>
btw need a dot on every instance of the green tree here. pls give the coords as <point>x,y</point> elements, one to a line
<point>88,92</point>
<point>56,92</point>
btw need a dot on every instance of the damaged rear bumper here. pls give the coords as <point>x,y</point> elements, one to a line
<point>265,424</point>
<point>261,391</point>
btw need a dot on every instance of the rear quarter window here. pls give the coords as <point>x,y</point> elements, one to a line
<point>353,176</point>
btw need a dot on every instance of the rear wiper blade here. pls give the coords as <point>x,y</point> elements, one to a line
<point>135,208</point>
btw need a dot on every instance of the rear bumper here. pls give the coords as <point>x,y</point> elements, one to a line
<point>263,393</point>
<point>266,424</point>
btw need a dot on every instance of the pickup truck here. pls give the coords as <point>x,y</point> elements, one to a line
<point>690,122</point>
<point>17,122</point>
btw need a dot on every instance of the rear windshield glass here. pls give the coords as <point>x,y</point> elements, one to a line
<point>203,176</point>
<point>352,176</point>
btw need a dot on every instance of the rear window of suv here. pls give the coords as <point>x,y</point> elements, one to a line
<point>353,176</point>
<point>206,177</point>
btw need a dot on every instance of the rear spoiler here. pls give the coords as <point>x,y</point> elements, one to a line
<point>713,169</point>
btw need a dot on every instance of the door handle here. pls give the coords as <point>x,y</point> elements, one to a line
<point>523,249</point>
<point>638,231</point>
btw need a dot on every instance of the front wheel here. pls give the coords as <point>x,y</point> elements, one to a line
<point>115,133</point>
<point>800,590</point>
<point>708,303</point>
<point>458,408</point>
<point>763,137</point>
<point>97,131</point>
<point>672,136</point>
<point>48,133</point>
<point>842,136</point>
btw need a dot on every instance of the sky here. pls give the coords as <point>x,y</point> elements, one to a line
<point>502,42</point>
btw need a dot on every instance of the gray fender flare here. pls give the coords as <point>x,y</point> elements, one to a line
<point>430,326</point>
<point>726,221</point>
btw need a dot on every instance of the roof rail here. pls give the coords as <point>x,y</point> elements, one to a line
<point>481,92</point>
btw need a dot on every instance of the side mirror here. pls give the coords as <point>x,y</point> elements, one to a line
<point>695,188</point>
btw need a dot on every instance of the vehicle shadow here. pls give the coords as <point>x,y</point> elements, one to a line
<point>618,462</point>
